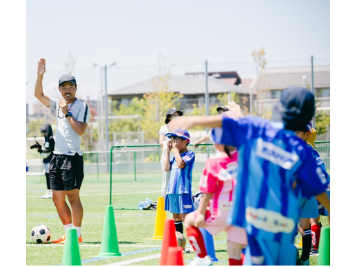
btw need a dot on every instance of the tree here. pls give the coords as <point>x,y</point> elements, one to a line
<point>157,103</point>
<point>70,62</point>
<point>127,125</point>
<point>322,118</point>
<point>151,108</point>
<point>261,91</point>
<point>199,110</point>
<point>34,127</point>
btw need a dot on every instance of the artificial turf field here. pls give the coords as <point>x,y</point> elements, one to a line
<point>134,227</point>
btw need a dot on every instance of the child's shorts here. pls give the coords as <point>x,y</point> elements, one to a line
<point>309,208</point>
<point>179,203</point>
<point>266,252</point>
<point>214,225</point>
<point>322,210</point>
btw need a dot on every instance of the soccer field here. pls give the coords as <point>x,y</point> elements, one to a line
<point>134,227</point>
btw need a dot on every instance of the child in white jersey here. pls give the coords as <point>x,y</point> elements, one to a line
<point>217,184</point>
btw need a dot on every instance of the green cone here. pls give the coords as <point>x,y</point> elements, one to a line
<point>71,255</point>
<point>109,242</point>
<point>324,246</point>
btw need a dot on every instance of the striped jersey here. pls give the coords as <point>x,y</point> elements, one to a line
<point>320,163</point>
<point>219,177</point>
<point>270,160</point>
<point>180,181</point>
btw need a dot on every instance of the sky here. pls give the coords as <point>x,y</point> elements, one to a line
<point>133,33</point>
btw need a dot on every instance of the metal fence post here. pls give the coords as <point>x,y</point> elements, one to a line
<point>111,174</point>
<point>97,166</point>
<point>135,164</point>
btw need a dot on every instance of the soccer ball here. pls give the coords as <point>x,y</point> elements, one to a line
<point>40,234</point>
<point>180,240</point>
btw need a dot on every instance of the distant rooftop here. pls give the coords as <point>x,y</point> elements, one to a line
<point>226,76</point>
<point>280,78</point>
<point>185,85</point>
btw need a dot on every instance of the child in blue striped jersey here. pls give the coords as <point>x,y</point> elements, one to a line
<point>179,197</point>
<point>271,158</point>
<point>315,224</point>
<point>308,207</point>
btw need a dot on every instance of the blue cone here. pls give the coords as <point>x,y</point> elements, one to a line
<point>209,244</point>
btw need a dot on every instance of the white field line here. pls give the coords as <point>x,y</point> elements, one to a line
<point>112,194</point>
<point>93,245</point>
<point>121,263</point>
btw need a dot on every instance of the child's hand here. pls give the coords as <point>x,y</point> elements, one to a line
<point>301,231</point>
<point>235,108</point>
<point>169,146</point>
<point>200,220</point>
<point>174,144</point>
<point>195,146</point>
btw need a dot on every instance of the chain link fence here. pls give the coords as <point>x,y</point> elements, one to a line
<point>135,172</point>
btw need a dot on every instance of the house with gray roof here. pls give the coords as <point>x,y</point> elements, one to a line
<point>191,86</point>
<point>270,83</point>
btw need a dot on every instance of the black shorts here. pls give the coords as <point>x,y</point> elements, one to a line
<point>66,172</point>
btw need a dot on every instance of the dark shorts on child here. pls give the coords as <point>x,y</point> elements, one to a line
<point>179,203</point>
<point>66,172</point>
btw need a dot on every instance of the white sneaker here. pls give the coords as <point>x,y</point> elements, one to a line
<point>206,261</point>
<point>47,196</point>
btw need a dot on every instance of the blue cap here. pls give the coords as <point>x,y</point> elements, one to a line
<point>182,134</point>
<point>67,78</point>
<point>295,108</point>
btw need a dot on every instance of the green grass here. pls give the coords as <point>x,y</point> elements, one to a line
<point>134,227</point>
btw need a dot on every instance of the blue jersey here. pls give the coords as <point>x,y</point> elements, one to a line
<point>270,160</point>
<point>320,163</point>
<point>180,181</point>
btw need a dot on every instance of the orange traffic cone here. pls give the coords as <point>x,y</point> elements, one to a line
<point>169,240</point>
<point>175,256</point>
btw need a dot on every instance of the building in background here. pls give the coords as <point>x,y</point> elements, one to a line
<point>40,110</point>
<point>192,87</point>
<point>269,85</point>
<point>273,81</point>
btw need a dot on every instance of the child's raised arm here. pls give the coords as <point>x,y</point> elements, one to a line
<point>167,162</point>
<point>185,123</point>
<point>180,162</point>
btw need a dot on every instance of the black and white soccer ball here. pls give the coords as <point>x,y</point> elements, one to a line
<point>40,234</point>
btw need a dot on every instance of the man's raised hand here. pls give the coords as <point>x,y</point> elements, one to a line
<point>41,68</point>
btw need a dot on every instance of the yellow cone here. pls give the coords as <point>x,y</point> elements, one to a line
<point>301,242</point>
<point>161,217</point>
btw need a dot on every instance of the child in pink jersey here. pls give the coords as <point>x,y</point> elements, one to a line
<point>217,184</point>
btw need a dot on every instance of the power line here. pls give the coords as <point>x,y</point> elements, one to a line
<point>187,64</point>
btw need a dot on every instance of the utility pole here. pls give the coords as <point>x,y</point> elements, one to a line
<point>206,92</point>
<point>206,97</point>
<point>312,85</point>
<point>106,107</point>
<point>251,101</point>
<point>106,115</point>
